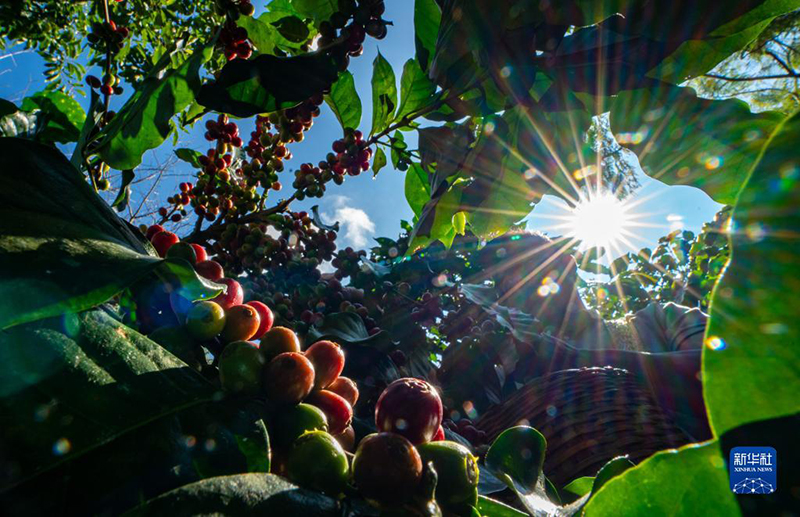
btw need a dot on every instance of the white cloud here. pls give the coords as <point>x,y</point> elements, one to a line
<point>356,226</point>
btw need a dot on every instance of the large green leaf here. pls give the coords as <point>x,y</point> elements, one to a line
<point>64,116</point>
<point>417,188</point>
<point>144,122</point>
<point>250,494</point>
<point>416,90</point>
<point>681,139</point>
<point>344,101</point>
<point>750,366</point>
<point>83,392</point>
<point>688,481</point>
<point>427,17</point>
<point>268,83</point>
<point>384,94</point>
<point>62,246</point>
<point>319,10</point>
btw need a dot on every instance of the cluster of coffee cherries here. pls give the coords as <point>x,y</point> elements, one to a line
<point>178,202</point>
<point>291,123</point>
<point>309,181</point>
<point>466,428</point>
<point>366,20</point>
<point>352,154</point>
<point>110,34</point>
<point>253,248</point>
<point>234,41</point>
<point>224,131</point>
<point>108,86</point>
<point>233,8</point>
<point>428,310</point>
<point>347,262</point>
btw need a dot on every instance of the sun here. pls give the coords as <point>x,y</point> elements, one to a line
<point>599,221</point>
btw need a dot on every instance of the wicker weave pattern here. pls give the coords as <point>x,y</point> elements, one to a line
<point>588,416</point>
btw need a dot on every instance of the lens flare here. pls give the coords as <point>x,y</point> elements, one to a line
<point>599,221</point>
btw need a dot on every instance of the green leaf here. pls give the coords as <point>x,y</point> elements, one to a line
<point>518,453</point>
<point>64,116</point>
<point>579,487</point>
<point>692,480</point>
<point>248,494</point>
<point>319,10</point>
<point>344,101</point>
<point>379,161</point>
<point>416,90</point>
<point>7,108</point>
<point>189,156</point>
<point>417,188</point>
<point>492,508</point>
<point>292,28</point>
<point>685,140</point>
<point>268,83</point>
<point>610,470</point>
<point>427,17</point>
<point>384,94</point>
<point>750,363</point>
<point>67,248</point>
<point>68,379</point>
<point>259,32</point>
<point>124,194</point>
<point>145,121</point>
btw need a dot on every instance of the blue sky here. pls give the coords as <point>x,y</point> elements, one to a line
<point>369,207</point>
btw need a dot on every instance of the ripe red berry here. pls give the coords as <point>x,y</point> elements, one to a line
<point>152,230</point>
<point>266,317</point>
<point>387,468</point>
<point>288,378</point>
<point>345,388</point>
<point>200,252</point>
<point>409,407</point>
<point>328,360</point>
<point>338,411</point>
<point>439,436</point>
<point>234,295</point>
<point>163,241</point>
<point>210,269</point>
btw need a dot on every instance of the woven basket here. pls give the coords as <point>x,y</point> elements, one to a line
<point>588,416</point>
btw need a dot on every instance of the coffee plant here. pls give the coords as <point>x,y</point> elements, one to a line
<point>230,357</point>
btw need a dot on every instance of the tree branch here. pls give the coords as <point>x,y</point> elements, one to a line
<point>745,79</point>
<point>215,229</point>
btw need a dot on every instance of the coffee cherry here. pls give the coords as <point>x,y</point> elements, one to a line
<point>345,388</point>
<point>410,407</point>
<point>288,378</point>
<point>210,269</point>
<point>264,316</point>
<point>234,295</point>
<point>240,368</point>
<point>336,408</point>
<point>387,468</point>
<point>152,230</point>
<point>317,461</point>
<point>439,436</point>
<point>200,252</point>
<point>279,340</point>
<point>241,323</point>
<point>328,360</point>
<point>184,251</point>
<point>292,422</point>
<point>347,439</point>
<point>163,241</point>
<point>205,320</point>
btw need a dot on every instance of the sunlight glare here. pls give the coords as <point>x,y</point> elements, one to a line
<point>599,221</point>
